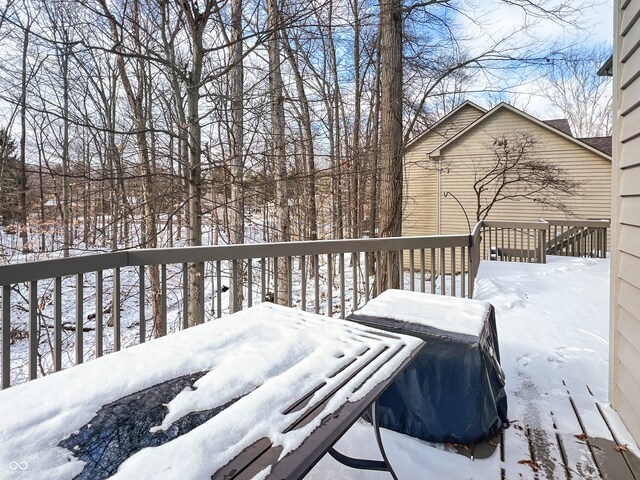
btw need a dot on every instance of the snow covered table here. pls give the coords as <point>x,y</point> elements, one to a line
<point>263,393</point>
<point>454,390</point>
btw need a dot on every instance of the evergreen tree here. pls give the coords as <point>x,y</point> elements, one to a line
<point>9,179</point>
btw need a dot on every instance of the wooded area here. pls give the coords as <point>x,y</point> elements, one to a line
<point>148,123</point>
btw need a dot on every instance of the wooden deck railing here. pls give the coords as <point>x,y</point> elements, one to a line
<point>62,303</point>
<point>513,241</point>
<point>533,241</point>
<point>586,238</point>
<point>78,308</point>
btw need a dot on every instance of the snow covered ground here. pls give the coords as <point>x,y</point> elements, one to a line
<point>553,325</point>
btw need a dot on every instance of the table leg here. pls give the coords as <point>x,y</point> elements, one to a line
<point>363,464</point>
<point>376,428</point>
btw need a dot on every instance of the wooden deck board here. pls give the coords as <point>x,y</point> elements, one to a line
<point>545,449</point>
<point>540,448</point>
<point>517,463</point>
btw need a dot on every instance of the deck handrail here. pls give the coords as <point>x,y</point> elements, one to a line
<point>444,264</point>
<point>327,272</point>
<point>43,269</point>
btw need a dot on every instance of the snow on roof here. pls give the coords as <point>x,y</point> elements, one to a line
<point>448,314</point>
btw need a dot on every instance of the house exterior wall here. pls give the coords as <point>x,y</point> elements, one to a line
<point>624,367</point>
<point>420,185</point>
<point>469,156</point>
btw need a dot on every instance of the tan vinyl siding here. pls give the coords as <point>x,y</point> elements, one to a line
<point>629,153</point>
<point>469,156</point>
<point>625,281</point>
<point>420,185</point>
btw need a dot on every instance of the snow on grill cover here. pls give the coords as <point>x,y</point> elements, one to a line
<point>454,390</point>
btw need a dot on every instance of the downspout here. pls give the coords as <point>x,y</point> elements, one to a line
<point>438,159</point>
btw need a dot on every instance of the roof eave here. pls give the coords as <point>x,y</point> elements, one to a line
<point>452,112</point>
<point>606,70</point>
<point>501,105</point>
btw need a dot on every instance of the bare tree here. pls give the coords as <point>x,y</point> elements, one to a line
<point>278,142</point>
<point>391,132</point>
<point>574,88</point>
<point>514,171</point>
<point>135,94</point>
<point>22,177</point>
<point>236,144</point>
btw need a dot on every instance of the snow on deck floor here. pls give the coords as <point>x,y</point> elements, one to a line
<point>553,326</point>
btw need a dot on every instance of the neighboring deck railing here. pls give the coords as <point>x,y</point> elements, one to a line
<point>533,241</point>
<point>513,241</point>
<point>586,239</point>
<point>72,309</point>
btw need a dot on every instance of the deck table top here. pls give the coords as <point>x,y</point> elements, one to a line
<point>263,393</point>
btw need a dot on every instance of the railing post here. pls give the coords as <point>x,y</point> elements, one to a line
<point>99,313</point>
<point>142,316</point>
<point>6,338</point>
<point>329,286</point>
<point>33,330</point>
<point>540,248</point>
<point>115,309</point>
<point>185,295</point>
<point>233,304</point>
<point>163,302</point>
<point>218,289</point>
<point>79,318</point>
<point>303,278</point>
<point>57,324</point>
<point>472,249</point>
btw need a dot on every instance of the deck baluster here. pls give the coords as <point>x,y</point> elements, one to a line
<point>142,316</point>
<point>57,324</point>
<point>99,314</point>
<point>115,309</point>
<point>79,319</point>
<point>6,337</point>
<point>329,286</point>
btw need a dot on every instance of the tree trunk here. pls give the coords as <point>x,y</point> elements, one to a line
<point>278,144</point>
<point>66,200</point>
<point>309,152</point>
<point>22,184</point>
<point>196,22</point>
<point>374,148</point>
<point>236,232</point>
<point>135,100</point>
<point>391,134</point>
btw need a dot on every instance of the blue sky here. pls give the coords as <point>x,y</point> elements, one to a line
<point>498,20</point>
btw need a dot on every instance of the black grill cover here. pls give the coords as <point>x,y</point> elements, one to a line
<point>454,390</point>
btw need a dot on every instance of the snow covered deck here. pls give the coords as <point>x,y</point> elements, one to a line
<point>553,328</point>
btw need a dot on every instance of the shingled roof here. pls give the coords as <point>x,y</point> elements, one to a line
<point>601,143</point>
<point>561,124</point>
